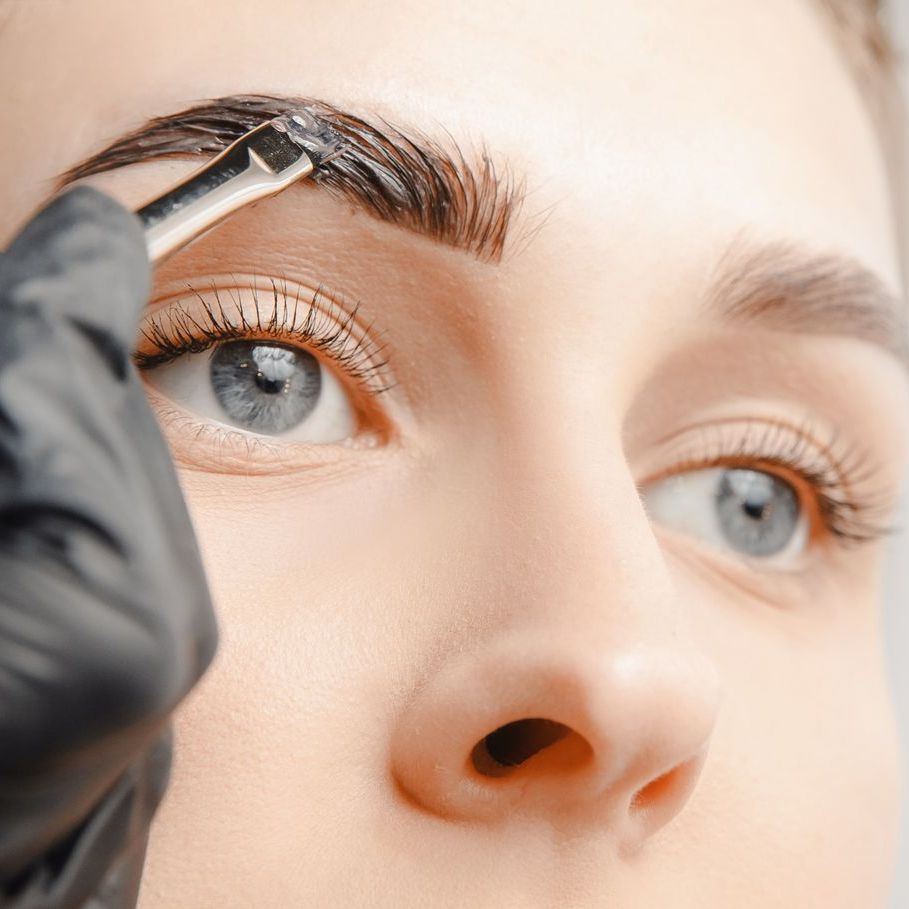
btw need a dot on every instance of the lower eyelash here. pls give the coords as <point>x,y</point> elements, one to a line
<point>832,476</point>
<point>220,437</point>
<point>176,331</point>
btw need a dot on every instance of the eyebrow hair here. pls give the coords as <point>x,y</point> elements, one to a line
<point>785,286</point>
<point>413,181</point>
<point>404,178</point>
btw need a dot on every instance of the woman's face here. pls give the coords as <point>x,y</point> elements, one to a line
<point>626,477</point>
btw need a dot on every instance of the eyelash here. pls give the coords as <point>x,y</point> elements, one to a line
<point>176,331</point>
<point>781,449</point>
<point>850,518</point>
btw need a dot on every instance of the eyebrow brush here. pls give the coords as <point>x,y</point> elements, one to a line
<point>259,164</point>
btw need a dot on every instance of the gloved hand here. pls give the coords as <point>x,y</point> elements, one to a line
<point>105,618</point>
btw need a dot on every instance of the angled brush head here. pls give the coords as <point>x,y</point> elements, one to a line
<point>320,142</point>
<point>280,143</point>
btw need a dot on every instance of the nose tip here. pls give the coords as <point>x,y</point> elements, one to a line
<point>613,741</point>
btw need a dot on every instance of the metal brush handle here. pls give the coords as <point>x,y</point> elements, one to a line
<point>259,164</point>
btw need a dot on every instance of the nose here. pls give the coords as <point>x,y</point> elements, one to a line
<point>556,728</point>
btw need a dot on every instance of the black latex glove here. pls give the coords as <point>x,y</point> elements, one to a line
<point>105,618</point>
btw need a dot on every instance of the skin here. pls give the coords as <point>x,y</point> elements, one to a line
<point>384,607</point>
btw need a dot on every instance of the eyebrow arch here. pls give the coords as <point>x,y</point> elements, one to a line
<point>785,286</point>
<point>405,178</point>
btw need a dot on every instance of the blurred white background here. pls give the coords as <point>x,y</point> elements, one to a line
<point>896,603</point>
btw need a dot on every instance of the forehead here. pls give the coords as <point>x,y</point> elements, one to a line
<point>741,109</point>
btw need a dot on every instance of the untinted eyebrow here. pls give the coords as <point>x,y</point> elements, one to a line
<point>400,176</point>
<point>785,286</point>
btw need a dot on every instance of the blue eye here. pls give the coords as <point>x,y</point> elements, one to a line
<point>265,386</point>
<point>752,512</point>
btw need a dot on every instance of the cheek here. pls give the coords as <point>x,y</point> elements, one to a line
<point>805,760</point>
<point>256,780</point>
<point>849,731</point>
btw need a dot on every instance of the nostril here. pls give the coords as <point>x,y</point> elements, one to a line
<point>665,788</point>
<point>653,791</point>
<point>514,743</point>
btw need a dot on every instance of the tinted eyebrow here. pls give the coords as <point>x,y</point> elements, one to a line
<point>785,286</point>
<point>405,178</point>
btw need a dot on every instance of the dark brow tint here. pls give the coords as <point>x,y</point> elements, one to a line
<point>405,178</point>
<point>416,182</point>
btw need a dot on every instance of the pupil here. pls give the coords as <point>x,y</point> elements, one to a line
<point>754,509</point>
<point>269,386</point>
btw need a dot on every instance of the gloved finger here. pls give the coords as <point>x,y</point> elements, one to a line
<point>105,619</point>
<point>104,578</point>
<point>98,865</point>
<point>81,240</point>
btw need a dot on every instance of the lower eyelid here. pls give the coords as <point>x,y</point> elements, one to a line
<point>211,447</point>
<point>809,580</point>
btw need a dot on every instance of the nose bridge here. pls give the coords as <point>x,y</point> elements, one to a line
<point>577,531</point>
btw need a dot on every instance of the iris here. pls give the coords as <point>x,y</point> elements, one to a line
<point>265,386</point>
<point>758,512</point>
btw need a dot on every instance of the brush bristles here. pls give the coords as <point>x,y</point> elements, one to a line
<point>315,136</point>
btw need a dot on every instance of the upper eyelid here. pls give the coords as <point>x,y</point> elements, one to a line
<point>806,432</point>
<point>361,354</point>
